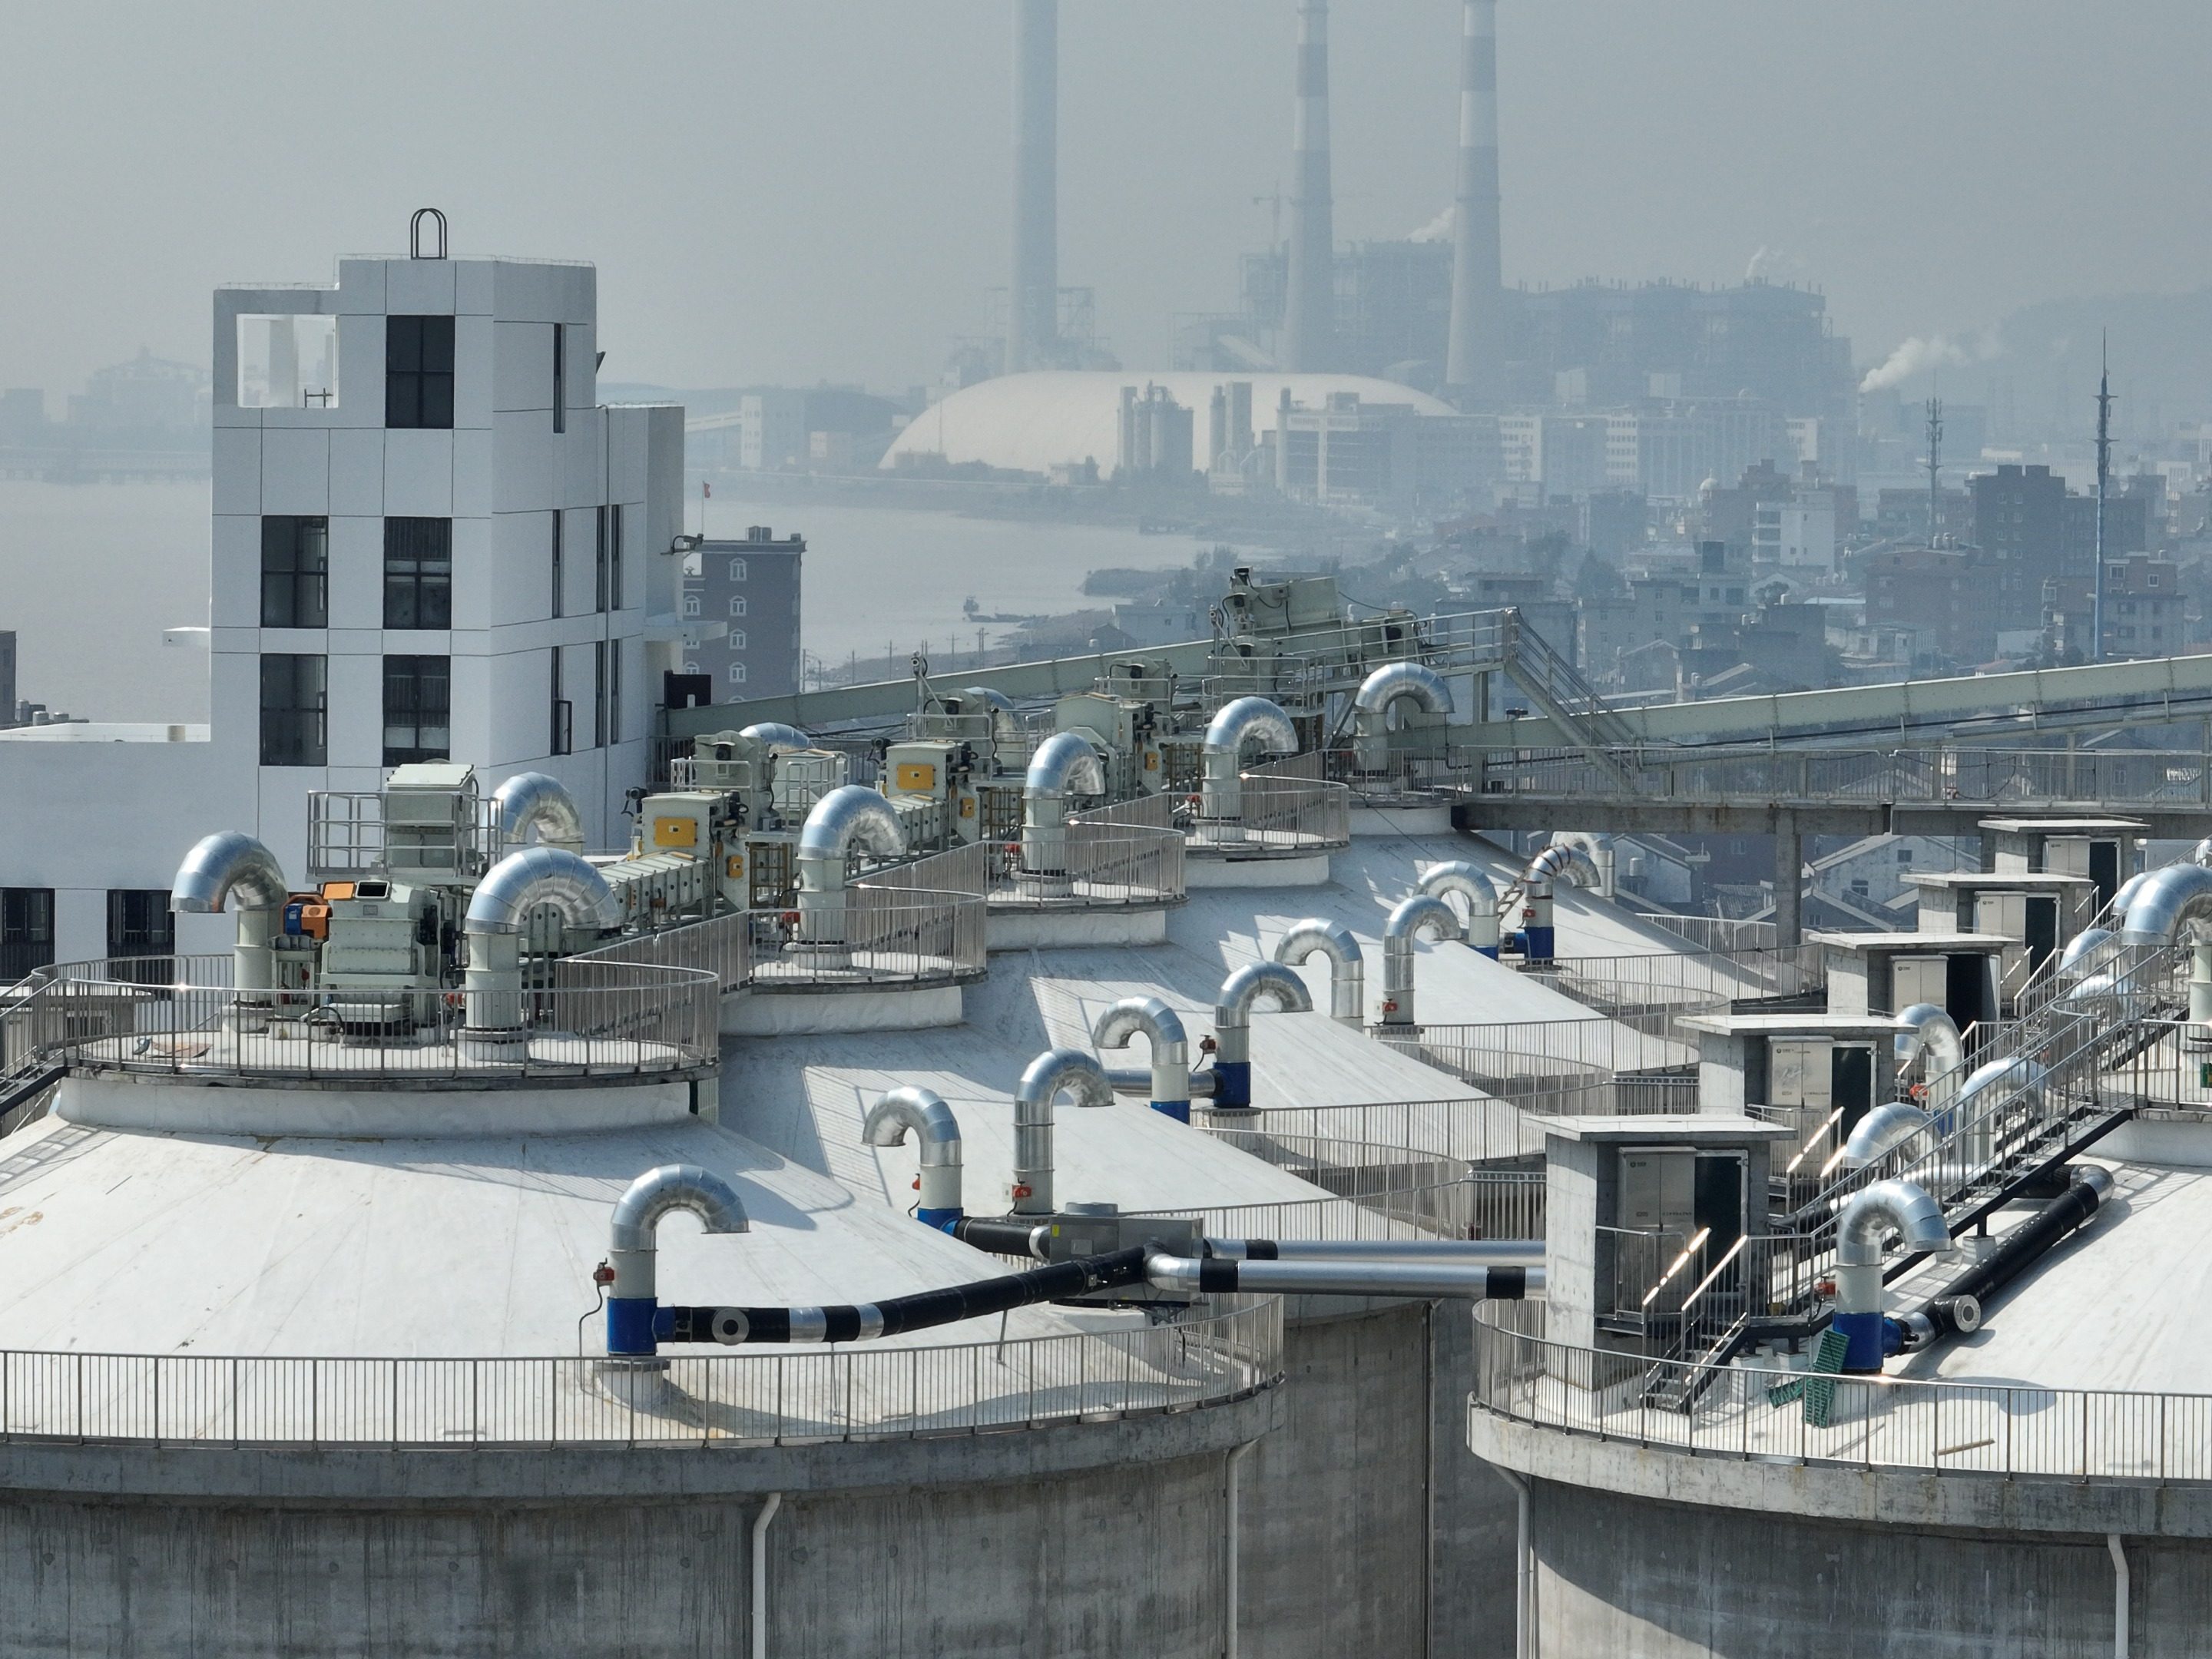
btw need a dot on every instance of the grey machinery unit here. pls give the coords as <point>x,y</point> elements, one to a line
<point>1884,972</point>
<point>2107,850</point>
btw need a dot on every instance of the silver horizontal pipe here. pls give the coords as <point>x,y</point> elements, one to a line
<point>1413,1280</point>
<point>1479,1252</point>
<point>1137,1080</point>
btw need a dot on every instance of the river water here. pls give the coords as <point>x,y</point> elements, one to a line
<point>90,575</point>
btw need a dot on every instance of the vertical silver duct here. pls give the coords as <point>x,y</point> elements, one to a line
<point>1310,301</point>
<point>1474,359</point>
<point>1033,296</point>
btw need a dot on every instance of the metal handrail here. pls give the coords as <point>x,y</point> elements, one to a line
<point>1870,1422</point>
<point>745,1399</point>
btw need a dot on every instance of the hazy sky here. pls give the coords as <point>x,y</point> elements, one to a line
<point>797,190</point>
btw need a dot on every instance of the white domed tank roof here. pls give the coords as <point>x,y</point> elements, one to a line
<point>1059,417</point>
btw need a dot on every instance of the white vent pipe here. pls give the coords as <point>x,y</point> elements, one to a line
<point>1458,876</point>
<point>1006,734</point>
<point>230,865</point>
<point>1162,1028</point>
<point>1382,691</point>
<point>1421,913</point>
<point>1248,720</point>
<point>1875,1211</point>
<point>850,816</point>
<point>1232,1023</point>
<point>1052,1073</point>
<point>498,917</point>
<point>1347,967</point>
<point>925,1115</point>
<point>1064,765</point>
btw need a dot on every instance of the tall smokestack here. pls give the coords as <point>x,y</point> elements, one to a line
<point>1310,304</point>
<point>1475,360</point>
<point>1033,296</point>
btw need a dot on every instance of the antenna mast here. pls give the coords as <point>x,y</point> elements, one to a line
<point>2104,471</point>
<point>1934,458</point>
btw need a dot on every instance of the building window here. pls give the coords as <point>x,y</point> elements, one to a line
<point>737,639</point>
<point>737,604</point>
<point>417,709</point>
<point>737,570</point>
<point>418,573</point>
<point>140,925</point>
<point>599,565</point>
<point>418,372</point>
<point>737,673</point>
<point>556,561</point>
<point>27,930</point>
<point>598,694</point>
<point>691,604</point>
<point>614,691</point>
<point>563,738</point>
<point>295,564</point>
<point>560,378</point>
<point>1904,855</point>
<point>1859,889</point>
<point>614,558</point>
<point>294,710</point>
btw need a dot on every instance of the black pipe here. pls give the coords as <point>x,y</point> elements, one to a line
<point>899,1314</point>
<point>1959,1306</point>
<point>999,1237</point>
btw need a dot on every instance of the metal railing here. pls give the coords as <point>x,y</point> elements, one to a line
<point>1861,1422</point>
<point>1716,933</point>
<point>1471,1129</point>
<point>1653,990</point>
<point>792,1397</point>
<point>2172,779</point>
<point>720,946</point>
<point>883,936</point>
<point>347,836</point>
<point>588,1018</point>
<point>1516,1059</point>
<point>1283,816</point>
<point>1154,811</point>
<point>1104,866</point>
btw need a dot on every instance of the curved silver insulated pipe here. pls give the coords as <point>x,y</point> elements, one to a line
<point>632,1237</point>
<point>777,737</point>
<point>523,880</point>
<point>1420,912</point>
<point>2117,909</point>
<point>923,1113</point>
<point>1882,1131</point>
<point>2086,948</point>
<point>532,801</point>
<point>1930,1032</point>
<point>1458,876</point>
<point>1245,721</point>
<point>1233,1005</point>
<point>498,916</point>
<point>851,814</point>
<point>1006,724</point>
<point>229,864</point>
<point>1903,1207</point>
<point>1066,764</point>
<point>2169,900</point>
<point>1051,1074</point>
<point>1387,684</point>
<point>1562,859</point>
<point>226,865</point>
<point>1162,1029</point>
<point>1348,966</point>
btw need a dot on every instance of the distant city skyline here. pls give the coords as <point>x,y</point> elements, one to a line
<point>778,195</point>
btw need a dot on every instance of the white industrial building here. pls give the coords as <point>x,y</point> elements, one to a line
<point>429,541</point>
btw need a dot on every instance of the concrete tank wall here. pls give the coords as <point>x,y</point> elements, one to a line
<point>1627,1575</point>
<point>1094,1540</point>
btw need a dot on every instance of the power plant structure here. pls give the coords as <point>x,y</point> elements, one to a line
<point>1474,353</point>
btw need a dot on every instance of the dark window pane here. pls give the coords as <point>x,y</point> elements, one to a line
<point>140,925</point>
<point>292,710</point>
<point>418,573</point>
<point>418,372</point>
<point>437,401</point>
<point>294,572</point>
<point>27,930</point>
<point>417,709</point>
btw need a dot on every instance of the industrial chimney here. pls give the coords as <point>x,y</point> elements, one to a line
<point>1309,302</point>
<point>1475,360</point>
<point>1033,296</point>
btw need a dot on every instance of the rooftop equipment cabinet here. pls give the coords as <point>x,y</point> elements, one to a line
<point>1814,1075</point>
<point>2106,850</point>
<point>1127,729</point>
<point>931,782</point>
<point>2039,910</point>
<point>1888,973</point>
<point>1639,1211</point>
